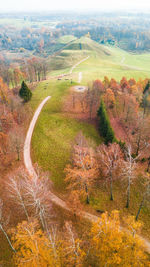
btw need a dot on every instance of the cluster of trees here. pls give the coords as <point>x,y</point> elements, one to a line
<point>106,29</point>
<point>106,163</point>
<point>112,29</point>
<point>125,106</point>
<point>36,241</point>
<point>12,119</point>
<point>32,70</point>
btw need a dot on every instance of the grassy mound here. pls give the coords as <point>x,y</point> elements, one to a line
<point>104,61</point>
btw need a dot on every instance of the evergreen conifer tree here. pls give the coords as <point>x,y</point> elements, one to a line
<point>25,92</point>
<point>105,128</point>
<point>146,87</point>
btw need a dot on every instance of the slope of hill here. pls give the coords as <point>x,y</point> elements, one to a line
<point>104,61</point>
<point>74,51</point>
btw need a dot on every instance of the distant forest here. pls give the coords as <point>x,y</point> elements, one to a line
<point>38,33</point>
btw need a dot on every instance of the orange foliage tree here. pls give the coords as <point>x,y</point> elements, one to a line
<point>109,98</point>
<point>80,176</point>
<point>110,160</point>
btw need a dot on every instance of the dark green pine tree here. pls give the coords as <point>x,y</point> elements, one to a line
<point>25,92</point>
<point>146,87</point>
<point>102,119</point>
<point>105,128</point>
<point>110,137</point>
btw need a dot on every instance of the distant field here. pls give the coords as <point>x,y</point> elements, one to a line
<point>20,23</point>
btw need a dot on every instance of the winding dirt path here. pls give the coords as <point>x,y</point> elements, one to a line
<point>78,63</point>
<point>80,77</point>
<point>30,168</point>
<point>80,73</point>
<point>27,144</point>
<point>32,173</point>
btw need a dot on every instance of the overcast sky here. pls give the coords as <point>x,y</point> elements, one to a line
<point>48,5</point>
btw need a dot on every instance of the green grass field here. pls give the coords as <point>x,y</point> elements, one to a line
<point>21,23</point>
<point>55,132</point>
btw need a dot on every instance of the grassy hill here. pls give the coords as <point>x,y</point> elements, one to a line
<point>104,61</point>
<point>75,51</point>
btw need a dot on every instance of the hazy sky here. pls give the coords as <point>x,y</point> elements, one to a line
<point>40,5</point>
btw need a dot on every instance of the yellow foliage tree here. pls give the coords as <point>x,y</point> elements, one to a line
<point>71,252</point>
<point>33,247</point>
<point>114,246</point>
<point>3,92</point>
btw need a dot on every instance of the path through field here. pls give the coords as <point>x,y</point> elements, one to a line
<point>78,63</point>
<point>129,66</point>
<point>80,73</point>
<point>80,77</point>
<point>32,173</point>
<point>29,166</point>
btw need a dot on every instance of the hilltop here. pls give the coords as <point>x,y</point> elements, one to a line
<point>104,60</point>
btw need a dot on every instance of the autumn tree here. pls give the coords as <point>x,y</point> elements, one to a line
<point>15,189</point>
<point>18,76</point>
<point>114,86</point>
<point>16,140</point>
<point>3,223</point>
<point>93,100</point>
<point>98,85</point>
<point>110,159</point>
<point>127,109</point>
<point>145,101</point>
<point>129,171</point>
<point>113,246</point>
<point>109,98</point>
<point>33,248</point>
<point>32,195</point>
<point>124,85</point>
<point>3,144</point>
<point>25,92</point>
<point>140,134</point>
<point>38,198</point>
<point>72,253</point>
<point>3,92</point>
<point>74,203</point>
<point>146,194</point>
<point>106,82</point>
<point>81,174</point>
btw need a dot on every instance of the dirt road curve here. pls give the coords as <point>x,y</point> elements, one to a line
<point>27,144</point>
<point>78,63</point>
<point>31,171</point>
<point>80,77</point>
<point>28,161</point>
